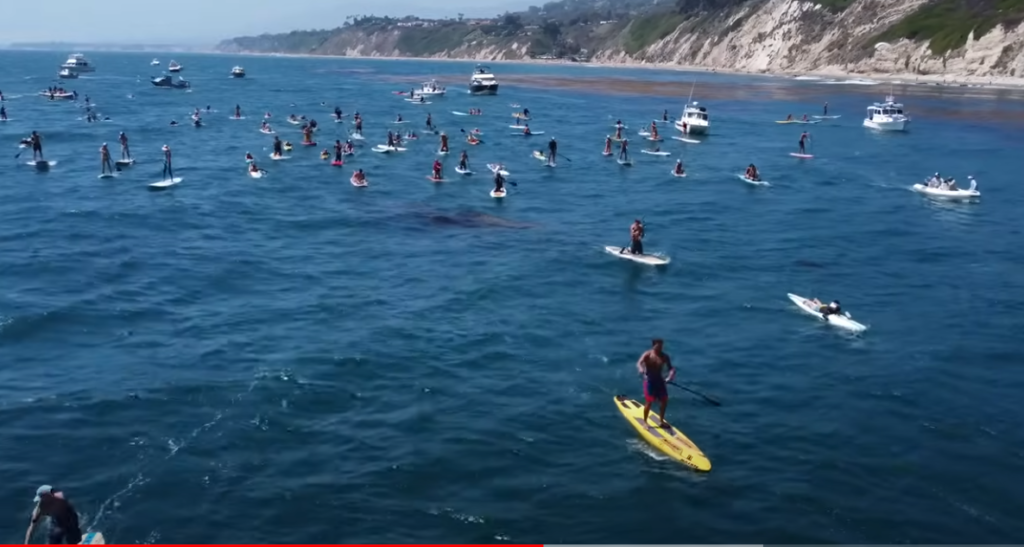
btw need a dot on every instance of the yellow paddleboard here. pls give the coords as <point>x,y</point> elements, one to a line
<point>786,121</point>
<point>93,538</point>
<point>668,439</point>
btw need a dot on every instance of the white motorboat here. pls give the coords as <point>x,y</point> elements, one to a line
<point>67,74</point>
<point>155,62</point>
<point>483,82</point>
<point>887,116</point>
<point>429,89</point>
<point>78,63</point>
<point>943,191</point>
<point>173,66</point>
<point>694,120</point>
<point>238,72</point>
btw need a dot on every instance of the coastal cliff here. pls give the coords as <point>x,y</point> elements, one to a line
<point>949,38</point>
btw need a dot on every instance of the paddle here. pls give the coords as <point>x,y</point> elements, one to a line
<point>707,398</point>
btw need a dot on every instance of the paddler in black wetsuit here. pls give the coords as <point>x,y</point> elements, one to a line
<point>526,113</point>
<point>623,152</point>
<point>3,112</point>
<point>679,170</point>
<point>37,146</point>
<point>168,171</point>
<point>804,137</point>
<point>64,527</point>
<point>552,151</point>
<point>464,161</point>
<point>664,116</point>
<point>824,111</point>
<point>277,147</point>
<point>312,125</point>
<point>430,122</point>
<point>337,151</point>
<point>391,139</point>
<point>499,182</point>
<point>238,111</point>
<point>337,113</point>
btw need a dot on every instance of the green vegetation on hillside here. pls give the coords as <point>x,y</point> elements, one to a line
<point>648,29</point>
<point>947,24</point>
<point>432,40</point>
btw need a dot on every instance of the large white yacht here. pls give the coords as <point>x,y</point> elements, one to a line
<point>887,116</point>
<point>78,63</point>
<point>483,82</point>
<point>694,120</point>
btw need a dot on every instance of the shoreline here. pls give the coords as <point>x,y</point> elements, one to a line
<point>828,73</point>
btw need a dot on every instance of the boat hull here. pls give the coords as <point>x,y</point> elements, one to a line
<point>483,89</point>
<point>886,125</point>
<point>693,129</point>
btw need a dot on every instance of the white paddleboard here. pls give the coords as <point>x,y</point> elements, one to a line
<point>42,163</point>
<point>499,193</point>
<point>625,163</point>
<point>234,118</point>
<point>267,132</point>
<point>495,169</point>
<point>387,149</point>
<point>357,183</point>
<point>165,183</point>
<point>607,154</point>
<point>357,137</point>
<point>801,156</point>
<point>6,120</point>
<point>106,176</point>
<point>827,117</point>
<point>462,171</point>
<point>282,157</point>
<point>686,140</point>
<point>753,182</point>
<point>651,260</point>
<point>124,163</point>
<point>841,321</point>
<point>402,121</point>
<point>517,127</point>
<point>653,153</point>
<point>674,174</point>
<point>256,174</point>
<point>460,113</point>
<point>531,134</point>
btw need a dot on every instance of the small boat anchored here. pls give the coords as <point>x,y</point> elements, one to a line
<point>238,72</point>
<point>429,89</point>
<point>173,66</point>
<point>78,63</point>
<point>155,62</point>
<point>886,116</point>
<point>67,74</point>
<point>694,120</point>
<point>168,81</point>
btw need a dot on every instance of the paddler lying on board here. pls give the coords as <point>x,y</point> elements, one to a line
<point>52,503</point>
<point>464,161</point>
<point>651,365</point>
<point>325,154</point>
<point>805,136</point>
<point>526,130</point>
<point>254,169</point>
<point>752,173</point>
<point>832,308</point>
<point>679,168</point>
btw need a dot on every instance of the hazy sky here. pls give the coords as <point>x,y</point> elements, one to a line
<point>209,21</point>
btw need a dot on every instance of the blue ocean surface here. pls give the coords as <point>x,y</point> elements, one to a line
<point>292,359</point>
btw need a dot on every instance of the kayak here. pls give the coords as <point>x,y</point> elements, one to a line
<point>649,259</point>
<point>841,321</point>
<point>654,153</point>
<point>963,193</point>
<point>663,435</point>
<point>499,193</point>
<point>337,163</point>
<point>528,134</point>
<point>751,181</point>
<point>495,168</point>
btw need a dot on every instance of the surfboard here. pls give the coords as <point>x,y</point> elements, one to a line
<point>106,176</point>
<point>267,132</point>
<point>654,153</point>
<point>649,259</point>
<point>357,183</point>
<point>386,149</point>
<point>442,152</point>
<point>625,163</point>
<point>357,136</point>
<point>279,158</point>
<point>517,127</point>
<point>663,435</point>
<point>400,121</point>
<point>160,185</point>
<point>801,156</point>
<point>337,163</point>
<point>674,174</point>
<point>499,193</point>
<point>42,164</point>
<point>124,163</point>
<point>827,117</point>
<point>236,118</point>
<point>93,538</point>
<point>460,113</point>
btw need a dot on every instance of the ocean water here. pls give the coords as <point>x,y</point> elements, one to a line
<point>296,360</point>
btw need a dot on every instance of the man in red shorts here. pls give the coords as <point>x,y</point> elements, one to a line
<point>651,365</point>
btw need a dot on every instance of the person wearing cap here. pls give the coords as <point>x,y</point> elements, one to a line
<point>105,164</point>
<point>51,503</point>
<point>125,153</point>
<point>168,172</point>
<point>651,366</point>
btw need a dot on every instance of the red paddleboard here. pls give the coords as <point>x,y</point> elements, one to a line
<point>337,163</point>
<point>801,156</point>
<point>432,179</point>
<point>309,144</point>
